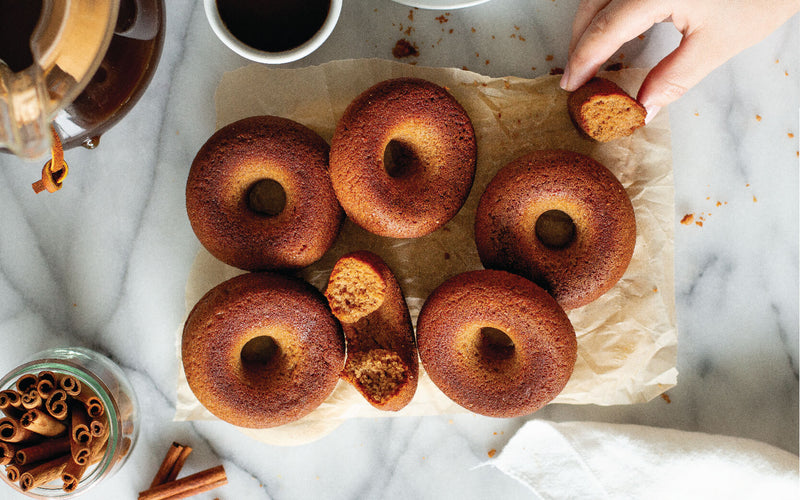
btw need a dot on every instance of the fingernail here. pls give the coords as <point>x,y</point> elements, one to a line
<point>652,111</point>
<point>565,79</point>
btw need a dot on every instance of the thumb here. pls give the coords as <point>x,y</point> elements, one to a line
<point>693,60</point>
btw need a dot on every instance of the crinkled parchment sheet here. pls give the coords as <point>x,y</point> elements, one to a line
<point>627,339</point>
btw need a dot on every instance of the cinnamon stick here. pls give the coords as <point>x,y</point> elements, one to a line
<point>97,446</point>
<point>190,485</point>
<point>56,404</point>
<point>79,430</point>
<point>70,484</point>
<point>86,453</point>
<point>167,464</point>
<point>47,384</point>
<point>31,399</point>
<point>7,453</point>
<point>11,403</point>
<point>12,432</point>
<point>72,474</point>
<point>45,450</point>
<point>43,473</point>
<point>70,384</point>
<point>26,382</point>
<point>172,464</point>
<point>14,471</point>
<point>80,453</point>
<point>74,471</point>
<point>42,423</point>
<point>176,469</point>
<point>97,428</point>
<point>94,407</point>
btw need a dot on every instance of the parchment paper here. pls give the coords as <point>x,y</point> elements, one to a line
<point>627,339</point>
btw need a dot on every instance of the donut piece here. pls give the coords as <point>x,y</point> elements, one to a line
<point>224,183</point>
<point>261,350</point>
<point>382,362</point>
<point>559,188</point>
<point>603,111</point>
<point>495,343</point>
<point>403,158</point>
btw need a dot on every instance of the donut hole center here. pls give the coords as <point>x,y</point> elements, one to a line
<point>259,354</point>
<point>495,344</point>
<point>266,197</point>
<point>555,229</point>
<point>400,160</point>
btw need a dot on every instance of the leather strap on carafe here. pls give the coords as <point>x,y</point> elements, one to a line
<point>55,170</point>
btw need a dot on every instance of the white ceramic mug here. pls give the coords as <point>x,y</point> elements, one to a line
<point>293,54</point>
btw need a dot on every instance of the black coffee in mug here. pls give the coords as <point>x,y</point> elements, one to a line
<point>273,25</point>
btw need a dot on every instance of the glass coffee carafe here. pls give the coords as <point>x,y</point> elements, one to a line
<point>72,68</point>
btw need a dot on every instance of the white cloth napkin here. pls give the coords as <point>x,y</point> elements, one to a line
<point>586,460</point>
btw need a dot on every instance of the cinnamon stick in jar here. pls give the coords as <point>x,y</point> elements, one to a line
<point>26,382</point>
<point>56,404</point>
<point>12,432</point>
<point>79,434</point>
<point>11,403</point>
<point>97,428</point>
<point>7,453</point>
<point>14,471</point>
<point>94,407</point>
<point>79,430</point>
<point>31,400</point>
<point>70,384</point>
<point>42,423</point>
<point>74,471</point>
<point>42,451</point>
<point>43,473</point>
<point>46,384</point>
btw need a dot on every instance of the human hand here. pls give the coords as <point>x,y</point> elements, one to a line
<point>713,32</point>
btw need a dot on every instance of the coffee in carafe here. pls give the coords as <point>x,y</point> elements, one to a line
<point>78,66</point>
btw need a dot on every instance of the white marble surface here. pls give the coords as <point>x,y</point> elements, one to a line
<point>103,263</point>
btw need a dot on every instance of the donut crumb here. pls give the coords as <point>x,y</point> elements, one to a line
<point>378,373</point>
<point>354,290</point>
<point>604,111</point>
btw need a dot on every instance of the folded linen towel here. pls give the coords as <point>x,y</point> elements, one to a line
<point>587,460</point>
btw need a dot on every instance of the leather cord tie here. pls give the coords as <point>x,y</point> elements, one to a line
<point>55,170</point>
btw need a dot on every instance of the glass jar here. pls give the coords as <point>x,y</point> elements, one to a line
<point>109,383</point>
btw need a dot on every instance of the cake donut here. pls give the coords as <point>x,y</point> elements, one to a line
<point>555,188</point>
<point>225,180</point>
<point>603,111</point>
<point>382,362</point>
<point>261,350</point>
<point>496,343</point>
<point>403,158</point>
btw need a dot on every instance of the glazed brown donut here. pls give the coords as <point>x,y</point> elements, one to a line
<point>222,180</point>
<point>507,374</point>
<point>382,362</point>
<point>296,367</point>
<point>432,153</point>
<point>525,192</point>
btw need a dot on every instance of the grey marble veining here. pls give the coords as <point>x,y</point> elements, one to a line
<point>103,263</point>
